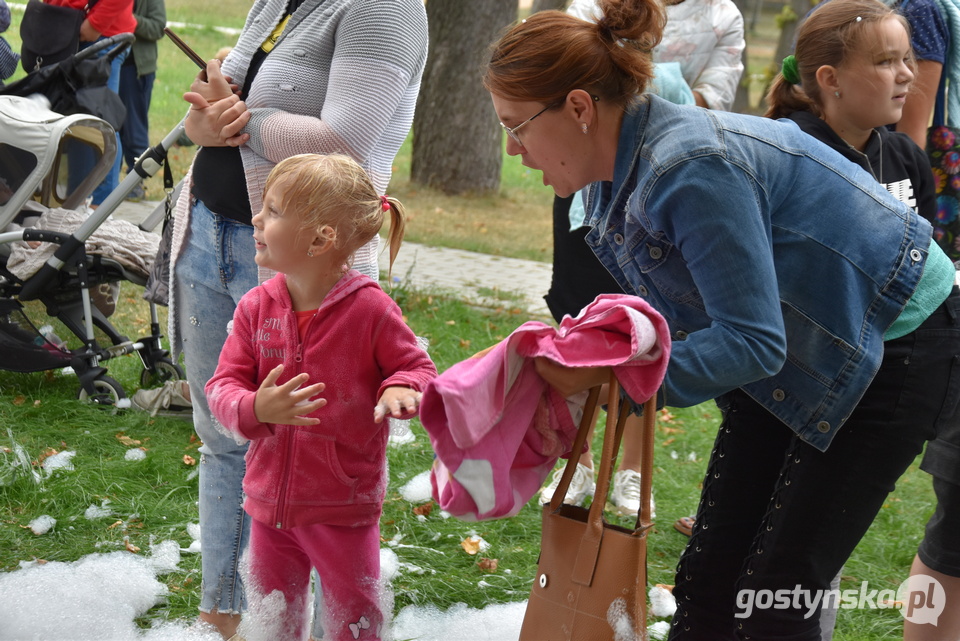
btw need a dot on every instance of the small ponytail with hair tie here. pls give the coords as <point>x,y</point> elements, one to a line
<point>790,70</point>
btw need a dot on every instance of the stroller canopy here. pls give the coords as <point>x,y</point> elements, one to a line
<point>32,143</point>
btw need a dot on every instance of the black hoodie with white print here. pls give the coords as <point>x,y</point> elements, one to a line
<point>891,157</point>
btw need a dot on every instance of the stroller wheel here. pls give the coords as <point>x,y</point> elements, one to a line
<point>107,393</point>
<point>163,370</point>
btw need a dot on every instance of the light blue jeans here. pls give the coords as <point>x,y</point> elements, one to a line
<point>214,270</point>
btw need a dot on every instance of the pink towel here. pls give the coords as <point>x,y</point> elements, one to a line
<point>497,427</point>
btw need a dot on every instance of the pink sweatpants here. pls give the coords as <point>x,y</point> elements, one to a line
<point>348,562</point>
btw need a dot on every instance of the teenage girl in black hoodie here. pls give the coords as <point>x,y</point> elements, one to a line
<point>848,80</point>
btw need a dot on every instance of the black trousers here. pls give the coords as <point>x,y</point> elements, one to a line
<point>776,513</point>
<point>578,277</point>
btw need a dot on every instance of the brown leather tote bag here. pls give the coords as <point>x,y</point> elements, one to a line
<point>591,577</point>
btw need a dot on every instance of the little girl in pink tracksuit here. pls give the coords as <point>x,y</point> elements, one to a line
<point>316,468</point>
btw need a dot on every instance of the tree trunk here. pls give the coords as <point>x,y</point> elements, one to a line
<point>547,5</point>
<point>457,142</point>
<point>789,19</point>
<point>741,103</point>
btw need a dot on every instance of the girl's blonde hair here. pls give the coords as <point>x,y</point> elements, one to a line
<point>334,191</point>
<point>828,36</point>
<point>549,54</point>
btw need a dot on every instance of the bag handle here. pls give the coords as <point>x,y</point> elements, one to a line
<point>617,413</point>
<point>589,409</point>
<point>611,448</point>
<point>608,458</point>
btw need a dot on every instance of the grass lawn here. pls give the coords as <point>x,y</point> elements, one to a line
<point>155,498</point>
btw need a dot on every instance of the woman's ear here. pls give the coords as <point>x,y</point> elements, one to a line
<point>828,79</point>
<point>582,105</point>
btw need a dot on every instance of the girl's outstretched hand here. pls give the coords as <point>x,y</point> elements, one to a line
<point>288,404</point>
<point>396,401</point>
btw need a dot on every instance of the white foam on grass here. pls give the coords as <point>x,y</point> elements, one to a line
<point>98,511</point>
<point>59,461</point>
<point>496,622</point>
<point>135,454</point>
<point>97,597</point>
<point>417,489</point>
<point>41,525</point>
<point>100,596</point>
<point>662,602</point>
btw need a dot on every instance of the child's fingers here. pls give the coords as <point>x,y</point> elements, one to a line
<point>396,407</point>
<point>411,402</point>
<point>306,393</point>
<point>290,387</point>
<point>304,409</point>
<point>272,377</point>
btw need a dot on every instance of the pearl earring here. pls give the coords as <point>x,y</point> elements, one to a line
<point>583,126</point>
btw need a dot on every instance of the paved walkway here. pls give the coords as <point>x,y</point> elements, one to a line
<point>482,278</point>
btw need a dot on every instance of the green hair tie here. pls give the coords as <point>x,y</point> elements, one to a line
<point>790,71</point>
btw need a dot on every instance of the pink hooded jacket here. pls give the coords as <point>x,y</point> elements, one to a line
<point>358,344</point>
<point>498,428</point>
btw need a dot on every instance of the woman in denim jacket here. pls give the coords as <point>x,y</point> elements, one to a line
<point>802,296</point>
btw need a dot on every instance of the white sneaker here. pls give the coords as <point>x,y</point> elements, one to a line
<point>625,499</point>
<point>581,486</point>
<point>168,400</point>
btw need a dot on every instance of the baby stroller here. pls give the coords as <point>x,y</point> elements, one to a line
<point>33,142</point>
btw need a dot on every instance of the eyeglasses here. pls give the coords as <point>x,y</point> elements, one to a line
<point>512,131</point>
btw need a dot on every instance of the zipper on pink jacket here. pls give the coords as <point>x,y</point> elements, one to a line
<point>298,354</point>
<point>298,358</point>
<point>281,500</point>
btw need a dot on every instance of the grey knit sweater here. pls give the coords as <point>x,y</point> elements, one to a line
<point>343,77</point>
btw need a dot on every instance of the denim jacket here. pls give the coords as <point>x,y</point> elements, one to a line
<point>777,263</point>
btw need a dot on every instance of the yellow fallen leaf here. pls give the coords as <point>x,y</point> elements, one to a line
<point>19,399</point>
<point>488,565</point>
<point>126,440</point>
<point>189,460</point>
<point>473,544</point>
<point>470,545</point>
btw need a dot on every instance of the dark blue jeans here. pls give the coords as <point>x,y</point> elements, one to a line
<point>135,92</point>
<point>776,513</point>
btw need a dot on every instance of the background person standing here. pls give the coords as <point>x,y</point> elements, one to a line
<point>137,75</point>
